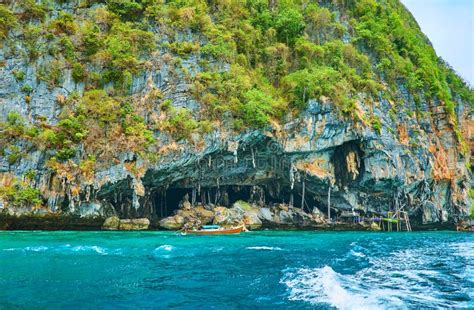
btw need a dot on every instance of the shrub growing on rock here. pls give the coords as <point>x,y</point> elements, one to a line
<point>19,194</point>
<point>8,21</point>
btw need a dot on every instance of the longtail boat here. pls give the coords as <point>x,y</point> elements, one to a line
<point>215,230</point>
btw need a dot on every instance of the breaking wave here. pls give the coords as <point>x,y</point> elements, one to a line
<point>89,248</point>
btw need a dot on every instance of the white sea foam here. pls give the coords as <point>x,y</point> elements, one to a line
<point>264,248</point>
<point>464,249</point>
<point>357,254</point>
<point>324,285</point>
<point>87,248</point>
<point>163,251</point>
<point>28,249</point>
<point>394,281</point>
<point>36,248</point>
<point>165,247</point>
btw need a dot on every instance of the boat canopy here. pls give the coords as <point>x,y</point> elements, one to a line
<point>210,227</point>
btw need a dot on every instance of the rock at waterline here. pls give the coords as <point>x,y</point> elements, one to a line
<point>266,214</point>
<point>111,223</point>
<point>241,212</point>
<point>134,224</point>
<point>175,222</point>
<point>114,223</point>
<point>375,227</point>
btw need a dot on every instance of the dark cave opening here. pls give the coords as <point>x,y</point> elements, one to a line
<point>348,163</point>
<point>167,201</point>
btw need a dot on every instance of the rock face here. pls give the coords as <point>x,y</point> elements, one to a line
<point>134,224</point>
<point>172,223</point>
<point>114,223</point>
<point>111,223</point>
<point>317,160</point>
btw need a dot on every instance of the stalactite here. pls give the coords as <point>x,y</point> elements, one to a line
<point>217,196</point>
<point>262,196</point>
<point>225,198</point>
<point>135,202</point>
<point>252,194</point>
<point>218,192</point>
<point>193,197</point>
<point>292,176</point>
<point>88,193</point>
<point>253,158</point>
<point>291,200</point>
<point>72,206</point>
<point>236,159</point>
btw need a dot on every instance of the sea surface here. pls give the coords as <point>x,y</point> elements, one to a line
<point>267,269</point>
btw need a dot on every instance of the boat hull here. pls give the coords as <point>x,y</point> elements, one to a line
<point>230,231</point>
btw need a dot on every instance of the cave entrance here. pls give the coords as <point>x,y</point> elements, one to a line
<point>167,202</point>
<point>348,163</point>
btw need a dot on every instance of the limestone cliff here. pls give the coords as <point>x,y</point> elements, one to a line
<point>123,107</point>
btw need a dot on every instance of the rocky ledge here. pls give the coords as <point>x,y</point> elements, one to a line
<point>254,217</point>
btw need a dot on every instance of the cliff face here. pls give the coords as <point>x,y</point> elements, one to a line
<point>123,107</point>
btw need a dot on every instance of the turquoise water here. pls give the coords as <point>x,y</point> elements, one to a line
<point>346,270</point>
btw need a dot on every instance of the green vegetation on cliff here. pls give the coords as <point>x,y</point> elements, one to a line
<point>282,53</point>
<point>7,21</point>
<point>20,193</point>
